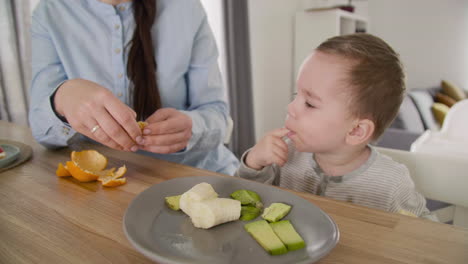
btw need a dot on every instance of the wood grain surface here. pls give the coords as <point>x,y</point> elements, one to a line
<point>46,219</point>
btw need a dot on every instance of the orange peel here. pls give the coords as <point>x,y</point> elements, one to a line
<point>110,174</point>
<point>81,174</point>
<point>114,182</point>
<point>89,165</point>
<point>90,160</point>
<point>62,171</point>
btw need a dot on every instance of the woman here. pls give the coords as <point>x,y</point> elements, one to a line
<point>98,66</point>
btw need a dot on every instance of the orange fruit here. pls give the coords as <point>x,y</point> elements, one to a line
<point>62,171</point>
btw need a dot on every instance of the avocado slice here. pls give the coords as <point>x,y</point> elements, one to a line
<point>173,202</point>
<point>247,197</point>
<point>276,211</point>
<point>249,212</point>
<point>288,235</point>
<point>262,232</point>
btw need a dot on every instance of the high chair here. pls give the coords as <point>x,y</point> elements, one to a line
<point>452,139</point>
<point>438,177</point>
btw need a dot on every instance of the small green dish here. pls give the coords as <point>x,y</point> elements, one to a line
<point>12,153</point>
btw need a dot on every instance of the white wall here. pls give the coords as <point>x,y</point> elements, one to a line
<point>215,15</point>
<point>271,34</point>
<point>430,35</point>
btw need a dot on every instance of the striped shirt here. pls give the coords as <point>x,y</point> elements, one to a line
<point>379,183</point>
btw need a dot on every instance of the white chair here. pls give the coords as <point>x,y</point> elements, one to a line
<point>452,139</point>
<point>438,177</point>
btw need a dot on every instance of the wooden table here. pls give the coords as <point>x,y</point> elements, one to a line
<point>46,219</point>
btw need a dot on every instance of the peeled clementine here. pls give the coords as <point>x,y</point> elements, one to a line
<point>62,171</point>
<point>142,124</point>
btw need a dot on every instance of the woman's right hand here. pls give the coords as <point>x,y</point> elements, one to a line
<point>86,104</point>
<point>270,150</point>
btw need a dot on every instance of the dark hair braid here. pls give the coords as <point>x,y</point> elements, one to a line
<point>141,67</point>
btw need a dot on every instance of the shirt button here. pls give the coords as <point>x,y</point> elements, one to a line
<point>119,94</point>
<point>122,8</point>
<point>117,27</point>
<point>120,75</point>
<point>117,50</point>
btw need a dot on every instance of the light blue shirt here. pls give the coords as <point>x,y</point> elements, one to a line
<point>90,40</point>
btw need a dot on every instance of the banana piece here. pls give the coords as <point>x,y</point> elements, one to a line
<point>199,192</point>
<point>208,213</point>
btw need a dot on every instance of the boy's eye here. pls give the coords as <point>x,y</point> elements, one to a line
<point>309,105</point>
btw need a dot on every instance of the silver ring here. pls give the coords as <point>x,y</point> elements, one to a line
<point>95,128</point>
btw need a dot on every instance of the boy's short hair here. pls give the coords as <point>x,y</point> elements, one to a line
<point>376,76</point>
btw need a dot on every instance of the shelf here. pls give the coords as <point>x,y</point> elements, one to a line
<point>313,27</point>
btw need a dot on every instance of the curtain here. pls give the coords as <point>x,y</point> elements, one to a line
<point>239,78</point>
<point>15,60</point>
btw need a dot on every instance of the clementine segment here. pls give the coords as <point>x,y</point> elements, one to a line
<point>142,124</point>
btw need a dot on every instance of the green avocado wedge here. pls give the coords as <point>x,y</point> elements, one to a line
<point>247,197</point>
<point>276,211</point>
<point>262,232</point>
<point>173,202</point>
<point>249,212</point>
<point>288,235</point>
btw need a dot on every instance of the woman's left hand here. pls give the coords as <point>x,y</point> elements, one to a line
<point>168,131</point>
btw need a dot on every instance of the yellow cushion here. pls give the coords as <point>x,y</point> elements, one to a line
<point>453,91</point>
<point>439,110</point>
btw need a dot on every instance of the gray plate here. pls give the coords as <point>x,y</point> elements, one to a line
<point>168,236</point>
<point>12,153</point>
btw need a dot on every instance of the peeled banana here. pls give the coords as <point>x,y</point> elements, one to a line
<point>205,209</point>
<point>199,192</point>
<point>209,213</point>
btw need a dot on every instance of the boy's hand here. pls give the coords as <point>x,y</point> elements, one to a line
<point>270,150</point>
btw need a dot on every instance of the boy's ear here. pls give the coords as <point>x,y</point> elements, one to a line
<point>361,132</point>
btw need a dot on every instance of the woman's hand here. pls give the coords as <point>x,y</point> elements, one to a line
<point>270,150</point>
<point>168,131</point>
<point>95,112</point>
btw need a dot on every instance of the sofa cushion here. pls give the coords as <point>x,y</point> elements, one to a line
<point>408,117</point>
<point>423,101</point>
<point>453,91</point>
<point>439,110</point>
<point>445,99</point>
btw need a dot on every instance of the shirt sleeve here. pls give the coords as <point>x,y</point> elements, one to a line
<point>206,100</point>
<point>407,200</point>
<point>47,75</point>
<point>268,174</point>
